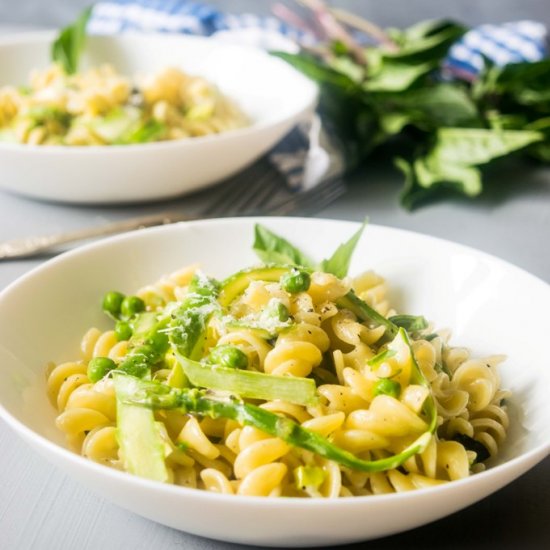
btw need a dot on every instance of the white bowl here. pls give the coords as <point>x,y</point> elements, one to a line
<point>491,306</point>
<point>270,92</point>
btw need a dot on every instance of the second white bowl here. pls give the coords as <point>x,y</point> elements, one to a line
<point>270,92</point>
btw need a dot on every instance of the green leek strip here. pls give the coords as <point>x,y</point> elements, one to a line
<point>235,285</point>
<point>364,312</point>
<point>199,402</point>
<point>258,331</point>
<point>255,385</point>
<point>429,408</point>
<point>411,323</point>
<point>141,445</point>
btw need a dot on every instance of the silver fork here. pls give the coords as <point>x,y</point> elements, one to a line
<point>235,199</point>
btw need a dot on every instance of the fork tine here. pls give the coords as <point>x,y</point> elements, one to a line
<point>229,188</point>
<point>242,193</point>
<point>312,200</point>
<point>256,195</point>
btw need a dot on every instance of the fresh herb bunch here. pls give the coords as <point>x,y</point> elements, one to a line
<point>394,93</point>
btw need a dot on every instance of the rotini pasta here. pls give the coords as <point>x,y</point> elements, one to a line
<point>318,400</point>
<point>102,107</point>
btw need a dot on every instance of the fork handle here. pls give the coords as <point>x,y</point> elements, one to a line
<point>29,246</point>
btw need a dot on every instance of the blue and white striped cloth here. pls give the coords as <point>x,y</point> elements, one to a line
<point>181,16</point>
<point>502,44</point>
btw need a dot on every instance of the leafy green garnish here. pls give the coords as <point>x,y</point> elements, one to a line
<point>68,46</point>
<point>274,249</point>
<point>338,264</point>
<point>271,248</point>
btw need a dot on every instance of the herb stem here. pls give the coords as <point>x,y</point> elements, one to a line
<point>368,27</point>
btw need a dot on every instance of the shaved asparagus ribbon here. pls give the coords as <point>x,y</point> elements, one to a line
<point>203,403</point>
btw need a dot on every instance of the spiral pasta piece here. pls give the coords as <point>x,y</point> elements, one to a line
<point>297,352</point>
<point>168,288</point>
<point>490,426</point>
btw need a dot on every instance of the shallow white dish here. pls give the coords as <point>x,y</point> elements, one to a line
<point>493,307</point>
<point>270,92</point>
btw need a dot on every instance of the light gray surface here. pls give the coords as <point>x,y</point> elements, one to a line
<point>40,508</point>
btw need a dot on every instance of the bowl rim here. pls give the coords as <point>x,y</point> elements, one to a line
<point>538,453</point>
<point>26,37</point>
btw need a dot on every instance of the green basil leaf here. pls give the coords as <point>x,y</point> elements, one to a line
<point>271,248</point>
<point>426,41</point>
<point>392,123</point>
<point>437,105</point>
<point>474,146</point>
<point>68,46</point>
<point>338,263</point>
<point>454,159</point>
<point>526,83</point>
<point>421,182</point>
<point>395,76</point>
<point>317,70</point>
<point>430,171</point>
<point>348,67</point>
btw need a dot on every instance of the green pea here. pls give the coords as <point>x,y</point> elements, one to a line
<point>136,366</point>
<point>281,312</point>
<point>98,367</point>
<point>131,305</point>
<point>385,386</point>
<point>123,330</point>
<point>275,309</point>
<point>295,281</point>
<point>228,356</point>
<point>112,302</point>
<point>158,341</point>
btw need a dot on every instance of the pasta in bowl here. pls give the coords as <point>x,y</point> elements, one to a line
<point>319,428</point>
<point>102,107</point>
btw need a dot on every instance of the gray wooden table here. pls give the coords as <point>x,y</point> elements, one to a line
<point>41,508</point>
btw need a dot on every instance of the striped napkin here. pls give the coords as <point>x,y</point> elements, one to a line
<point>501,44</point>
